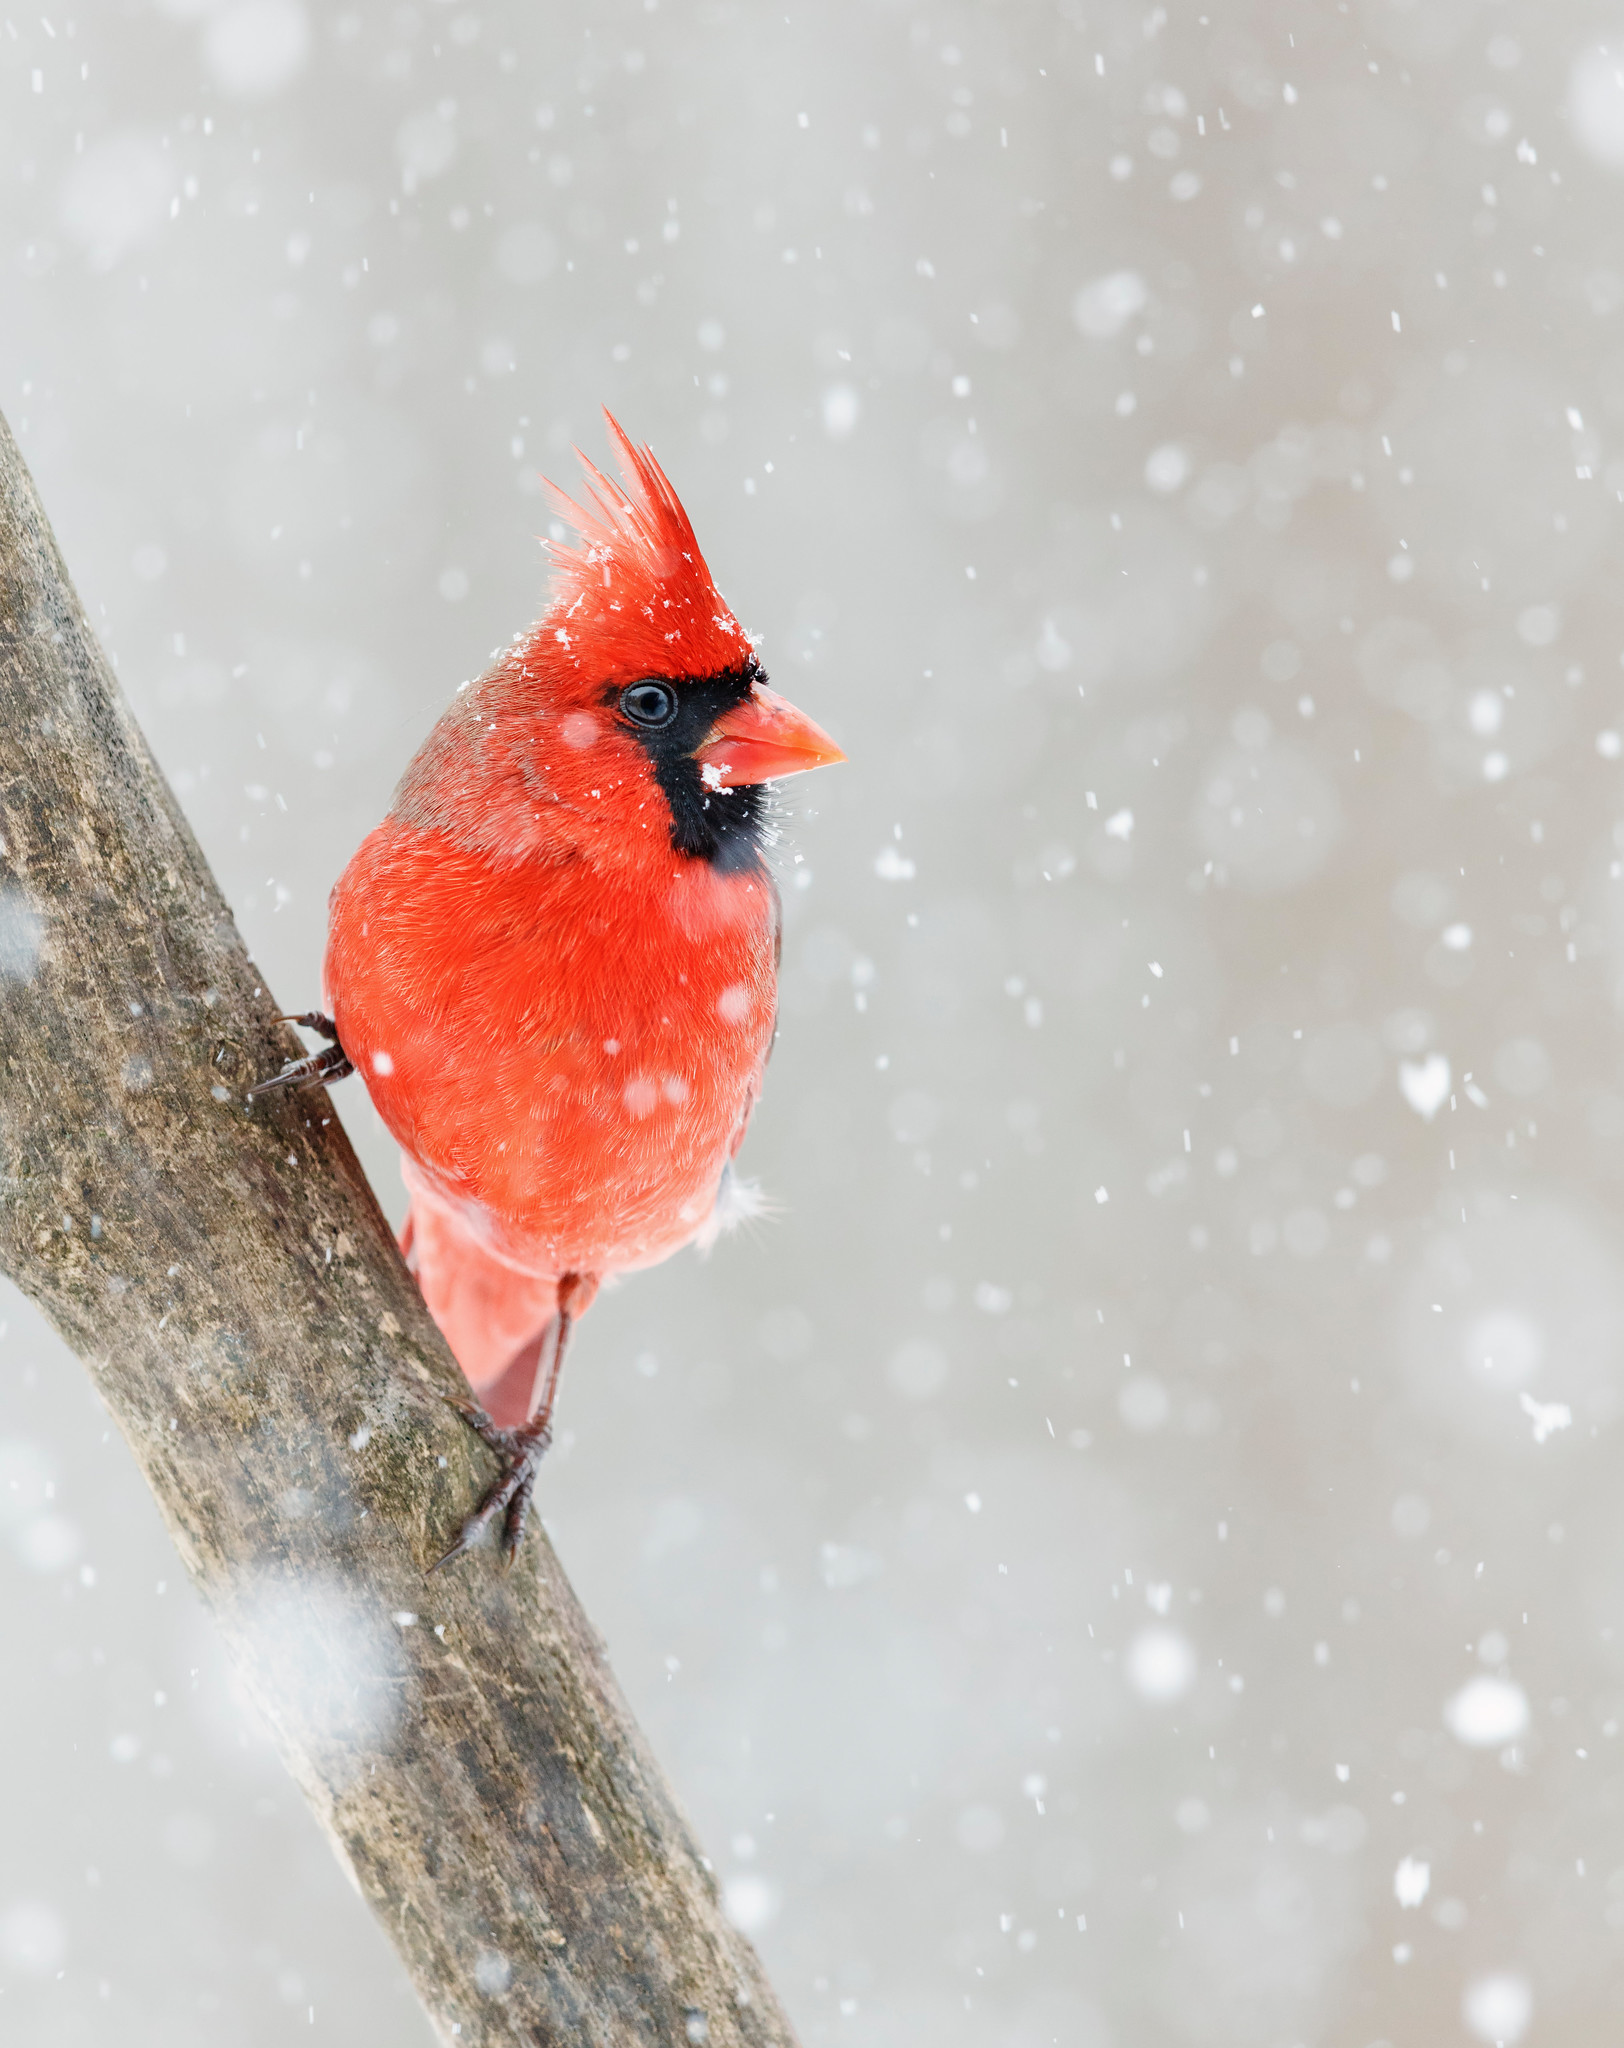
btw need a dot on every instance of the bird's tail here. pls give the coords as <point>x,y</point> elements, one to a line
<point>494,1318</point>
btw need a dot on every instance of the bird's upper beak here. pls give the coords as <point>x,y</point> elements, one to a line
<point>760,739</point>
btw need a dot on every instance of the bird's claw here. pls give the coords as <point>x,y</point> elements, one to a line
<point>519,1452</point>
<point>332,1063</point>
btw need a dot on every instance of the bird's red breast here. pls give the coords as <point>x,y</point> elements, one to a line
<point>554,962</point>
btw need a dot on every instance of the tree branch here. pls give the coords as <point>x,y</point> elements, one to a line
<point>228,1277</point>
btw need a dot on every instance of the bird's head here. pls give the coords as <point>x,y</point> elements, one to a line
<point>636,705</point>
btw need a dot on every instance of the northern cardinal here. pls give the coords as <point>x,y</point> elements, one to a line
<point>554,963</point>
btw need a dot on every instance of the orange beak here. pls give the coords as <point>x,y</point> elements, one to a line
<point>761,739</point>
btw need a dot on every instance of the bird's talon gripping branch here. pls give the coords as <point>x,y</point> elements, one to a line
<point>332,1063</point>
<point>521,1452</point>
<point>520,1449</point>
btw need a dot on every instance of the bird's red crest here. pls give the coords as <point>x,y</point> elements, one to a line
<point>634,594</point>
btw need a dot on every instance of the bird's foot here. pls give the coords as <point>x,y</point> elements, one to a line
<point>332,1063</point>
<point>520,1452</point>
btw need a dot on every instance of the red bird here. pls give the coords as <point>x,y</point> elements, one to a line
<point>554,963</point>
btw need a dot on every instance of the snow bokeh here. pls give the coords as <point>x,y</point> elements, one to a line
<point>1498,2008</point>
<point>335,1669</point>
<point>1131,1552</point>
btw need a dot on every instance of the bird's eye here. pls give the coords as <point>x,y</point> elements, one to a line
<point>650,704</point>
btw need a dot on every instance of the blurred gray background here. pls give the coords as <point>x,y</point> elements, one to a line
<point>1133,1554</point>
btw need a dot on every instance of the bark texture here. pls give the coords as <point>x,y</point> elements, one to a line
<point>229,1279</point>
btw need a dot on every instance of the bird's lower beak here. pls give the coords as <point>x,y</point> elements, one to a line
<point>761,739</point>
